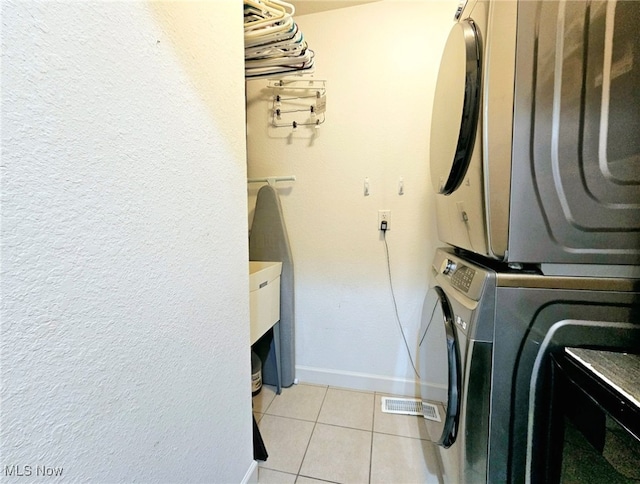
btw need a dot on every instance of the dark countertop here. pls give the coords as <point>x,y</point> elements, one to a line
<point>620,371</point>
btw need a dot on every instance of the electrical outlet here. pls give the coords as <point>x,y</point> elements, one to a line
<point>384,216</point>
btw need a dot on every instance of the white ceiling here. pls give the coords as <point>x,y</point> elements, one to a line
<point>304,7</point>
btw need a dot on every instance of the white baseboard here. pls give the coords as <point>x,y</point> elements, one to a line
<point>251,477</point>
<point>358,381</point>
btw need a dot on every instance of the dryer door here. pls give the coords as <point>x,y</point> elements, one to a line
<point>455,108</point>
<point>440,374</point>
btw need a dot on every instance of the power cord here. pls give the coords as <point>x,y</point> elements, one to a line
<point>383,227</point>
<point>465,219</point>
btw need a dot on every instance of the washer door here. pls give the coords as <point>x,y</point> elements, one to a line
<point>440,375</point>
<point>456,107</point>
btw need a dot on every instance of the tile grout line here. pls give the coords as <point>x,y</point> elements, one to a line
<point>315,423</point>
<point>374,405</point>
<point>270,403</point>
<point>373,427</point>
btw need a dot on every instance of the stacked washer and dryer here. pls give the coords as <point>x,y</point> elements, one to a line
<point>535,161</point>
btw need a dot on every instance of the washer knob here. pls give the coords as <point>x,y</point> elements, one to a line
<point>448,266</point>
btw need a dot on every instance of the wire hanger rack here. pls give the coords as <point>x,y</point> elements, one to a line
<point>298,102</point>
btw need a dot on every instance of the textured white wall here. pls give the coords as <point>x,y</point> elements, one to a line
<point>380,61</point>
<point>125,329</point>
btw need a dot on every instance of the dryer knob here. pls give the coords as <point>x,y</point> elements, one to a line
<point>448,267</point>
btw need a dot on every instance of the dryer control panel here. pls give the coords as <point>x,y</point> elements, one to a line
<point>459,10</point>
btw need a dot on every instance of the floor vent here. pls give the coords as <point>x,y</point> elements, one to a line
<point>410,406</point>
<point>430,412</point>
<point>404,406</point>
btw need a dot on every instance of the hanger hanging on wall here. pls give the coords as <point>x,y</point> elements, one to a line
<point>271,180</point>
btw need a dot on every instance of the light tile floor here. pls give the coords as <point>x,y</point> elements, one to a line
<point>327,434</point>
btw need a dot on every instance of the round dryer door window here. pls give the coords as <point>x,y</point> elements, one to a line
<point>440,373</point>
<point>456,107</point>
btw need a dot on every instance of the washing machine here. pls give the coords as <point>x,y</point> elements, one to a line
<point>487,333</point>
<point>534,146</point>
<point>454,362</point>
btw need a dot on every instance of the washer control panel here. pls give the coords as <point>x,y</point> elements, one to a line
<point>462,278</point>
<point>462,275</point>
<point>448,266</point>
